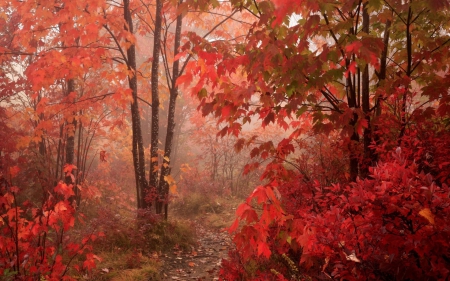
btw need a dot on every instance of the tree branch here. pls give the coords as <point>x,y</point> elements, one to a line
<point>117,44</point>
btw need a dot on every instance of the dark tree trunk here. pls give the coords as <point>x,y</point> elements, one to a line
<point>408,74</point>
<point>166,168</point>
<point>381,77</point>
<point>138,147</point>
<point>70,143</point>
<point>58,154</point>
<point>78,179</point>
<point>354,138</point>
<point>153,178</point>
<point>71,128</point>
<point>365,91</point>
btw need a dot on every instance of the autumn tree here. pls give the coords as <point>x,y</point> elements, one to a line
<point>42,54</point>
<point>369,72</point>
<point>339,60</point>
<point>171,50</point>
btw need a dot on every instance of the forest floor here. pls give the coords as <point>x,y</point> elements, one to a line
<point>190,246</point>
<point>202,262</point>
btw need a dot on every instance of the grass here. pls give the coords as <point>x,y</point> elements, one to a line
<point>124,266</point>
<point>218,212</point>
<point>165,235</point>
<point>131,247</point>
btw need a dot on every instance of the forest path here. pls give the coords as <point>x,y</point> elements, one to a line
<point>203,262</point>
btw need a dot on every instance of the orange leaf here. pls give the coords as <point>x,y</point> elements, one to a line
<point>426,213</point>
<point>69,167</point>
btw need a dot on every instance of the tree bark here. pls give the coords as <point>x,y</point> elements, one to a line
<point>153,178</point>
<point>78,179</point>
<point>408,74</point>
<point>365,92</point>
<point>354,138</point>
<point>166,168</point>
<point>138,147</point>
<point>58,155</point>
<point>70,143</point>
<point>381,78</point>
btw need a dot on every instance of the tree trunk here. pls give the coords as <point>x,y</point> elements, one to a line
<point>153,178</point>
<point>70,143</point>
<point>79,180</point>
<point>381,78</point>
<point>365,91</point>
<point>354,138</point>
<point>408,74</point>
<point>165,169</point>
<point>138,147</point>
<point>58,154</point>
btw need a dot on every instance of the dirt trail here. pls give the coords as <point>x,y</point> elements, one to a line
<point>202,263</point>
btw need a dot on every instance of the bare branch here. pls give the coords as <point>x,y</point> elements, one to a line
<point>117,44</point>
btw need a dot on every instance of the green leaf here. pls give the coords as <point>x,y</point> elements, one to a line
<point>267,76</point>
<point>291,88</point>
<point>202,93</point>
<point>301,110</point>
<point>289,240</point>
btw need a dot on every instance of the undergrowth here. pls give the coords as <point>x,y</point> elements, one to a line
<point>133,244</point>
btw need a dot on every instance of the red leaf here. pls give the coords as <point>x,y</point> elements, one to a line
<point>179,55</point>
<point>64,190</point>
<point>234,226</point>
<point>353,47</point>
<point>263,249</point>
<point>13,171</point>
<point>69,167</point>
<point>361,125</point>
<point>184,79</point>
<point>226,111</point>
<point>103,156</point>
<point>241,209</point>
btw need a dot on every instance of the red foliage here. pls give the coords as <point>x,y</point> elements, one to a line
<point>33,240</point>
<point>392,226</point>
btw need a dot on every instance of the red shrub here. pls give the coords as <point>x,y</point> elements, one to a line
<point>392,226</point>
<point>33,240</point>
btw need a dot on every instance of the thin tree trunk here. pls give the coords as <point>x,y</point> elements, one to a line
<point>354,138</point>
<point>153,177</point>
<point>63,154</point>
<point>71,129</point>
<point>408,74</point>
<point>138,147</point>
<point>367,159</point>
<point>381,78</point>
<point>79,159</point>
<point>58,154</point>
<point>166,168</point>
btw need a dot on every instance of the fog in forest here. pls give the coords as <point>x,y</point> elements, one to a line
<point>224,140</point>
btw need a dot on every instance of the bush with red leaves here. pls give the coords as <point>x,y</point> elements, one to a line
<point>394,225</point>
